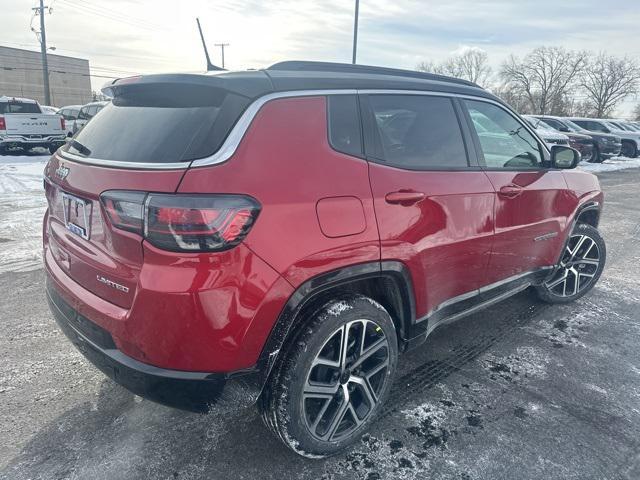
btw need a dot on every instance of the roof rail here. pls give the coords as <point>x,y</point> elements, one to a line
<point>305,66</point>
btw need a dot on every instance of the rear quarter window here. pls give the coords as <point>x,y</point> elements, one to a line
<point>345,133</point>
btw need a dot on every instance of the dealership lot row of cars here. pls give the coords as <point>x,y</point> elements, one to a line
<point>26,124</point>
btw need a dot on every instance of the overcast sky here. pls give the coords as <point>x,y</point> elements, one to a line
<point>122,37</point>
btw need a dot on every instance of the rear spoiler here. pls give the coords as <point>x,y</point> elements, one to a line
<point>250,84</point>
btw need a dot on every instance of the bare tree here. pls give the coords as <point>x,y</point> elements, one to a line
<point>607,81</point>
<point>428,66</point>
<point>513,97</point>
<point>544,76</point>
<point>636,112</point>
<point>471,63</point>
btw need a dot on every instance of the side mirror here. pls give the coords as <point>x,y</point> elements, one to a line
<point>563,129</point>
<point>564,157</point>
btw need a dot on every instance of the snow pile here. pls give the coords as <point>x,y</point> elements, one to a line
<point>22,205</point>
<point>611,165</point>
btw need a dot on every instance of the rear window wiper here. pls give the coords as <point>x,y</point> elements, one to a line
<point>82,150</point>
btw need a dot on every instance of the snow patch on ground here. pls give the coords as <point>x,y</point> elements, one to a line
<point>527,362</point>
<point>22,206</point>
<point>611,165</point>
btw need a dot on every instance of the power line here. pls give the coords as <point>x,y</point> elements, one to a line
<point>60,71</point>
<point>131,21</point>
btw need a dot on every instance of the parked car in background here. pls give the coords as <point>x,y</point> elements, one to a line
<point>86,113</point>
<point>624,125</point>
<point>24,125</point>
<point>548,134</point>
<point>70,115</point>
<point>630,140</point>
<point>201,251</point>
<point>605,145</point>
<point>49,110</point>
<point>583,143</point>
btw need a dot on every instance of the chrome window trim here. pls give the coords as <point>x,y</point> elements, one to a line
<point>118,164</point>
<point>231,143</point>
<point>242,125</point>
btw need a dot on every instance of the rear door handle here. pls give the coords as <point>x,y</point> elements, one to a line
<point>404,197</point>
<point>510,191</point>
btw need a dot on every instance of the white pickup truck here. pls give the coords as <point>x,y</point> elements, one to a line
<point>23,125</point>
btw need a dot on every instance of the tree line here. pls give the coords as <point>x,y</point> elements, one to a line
<point>550,80</point>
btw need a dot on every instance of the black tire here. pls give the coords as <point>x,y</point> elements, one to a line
<point>52,149</point>
<point>597,156</point>
<point>286,406</point>
<point>577,270</point>
<point>629,149</point>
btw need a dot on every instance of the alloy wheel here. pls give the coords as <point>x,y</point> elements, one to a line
<point>577,268</point>
<point>345,380</point>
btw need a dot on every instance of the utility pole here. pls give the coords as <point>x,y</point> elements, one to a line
<point>43,50</point>
<point>221,45</point>
<point>355,33</point>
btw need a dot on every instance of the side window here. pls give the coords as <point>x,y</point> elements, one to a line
<point>91,111</point>
<point>504,141</point>
<point>344,124</point>
<point>418,132</point>
<point>596,127</point>
<point>73,114</point>
<point>82,115</point>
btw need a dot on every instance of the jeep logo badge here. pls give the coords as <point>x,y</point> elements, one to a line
<point>62,172</point>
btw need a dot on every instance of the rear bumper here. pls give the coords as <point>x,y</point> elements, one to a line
<point>193,391</point>
<point>22,140</point>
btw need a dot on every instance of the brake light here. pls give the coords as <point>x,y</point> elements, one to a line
<point>125,209</point>
<point>3,124</point>
<point>62,125</point>
<point>183,223</point>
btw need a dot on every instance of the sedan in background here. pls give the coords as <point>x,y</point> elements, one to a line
<point>585,144</point>
<point>70,114</point>
<point>49,110</point>
<point>87,112</point>
<point>605,144</point>
<point>549,135</point>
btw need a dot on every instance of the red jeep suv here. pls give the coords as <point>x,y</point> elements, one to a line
<point>279,236</point>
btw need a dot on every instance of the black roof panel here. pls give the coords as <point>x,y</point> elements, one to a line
<point>304,66</point>
<point>298,75</point>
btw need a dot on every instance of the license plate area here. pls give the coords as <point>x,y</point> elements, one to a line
<point>77,215</point>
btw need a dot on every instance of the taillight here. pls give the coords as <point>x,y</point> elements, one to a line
<point>3,124</point>
<point>183,223</point>
<point>125,209</point>
<point>62,124</point>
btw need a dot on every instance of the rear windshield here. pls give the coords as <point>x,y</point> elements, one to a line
<point>160,124</point>
<point>19,107</point>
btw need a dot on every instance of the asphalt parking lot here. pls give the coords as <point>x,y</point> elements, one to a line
<point>521,391</point>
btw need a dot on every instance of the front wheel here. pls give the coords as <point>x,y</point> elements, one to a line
<point>333,380</point>
<point>579,269</point>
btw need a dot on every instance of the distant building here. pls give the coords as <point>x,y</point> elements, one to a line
<point>21,76</point>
